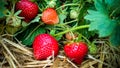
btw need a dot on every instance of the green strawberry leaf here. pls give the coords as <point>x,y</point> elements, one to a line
<point>114,6</point>
<point>101,6</point>
<point>115,37</point>
<point>104,19</point>
<point>27,36</point>
<point>100,22</point>
<point>2,8</point>
<point>99,19</point>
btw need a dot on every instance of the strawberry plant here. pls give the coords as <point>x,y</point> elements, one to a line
<point>72,27</point>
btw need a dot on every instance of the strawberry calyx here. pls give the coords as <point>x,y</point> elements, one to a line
<point>51,3</point>
<point>71,35</point>
<point>13,19</point>
<point>13,22</point>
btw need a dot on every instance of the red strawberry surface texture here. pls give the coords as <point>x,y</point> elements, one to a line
<point>50,16</point>
<point>44,45</point>
<point>76,51</point>
<point>29,9</point>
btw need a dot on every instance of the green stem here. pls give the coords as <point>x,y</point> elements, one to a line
<point>86,39</point>
<point>67,22</point>
<point>72,29</point>
<point>67,5</point>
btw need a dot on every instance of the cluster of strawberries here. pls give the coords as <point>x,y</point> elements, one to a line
<point>30,11</point>
<point>44,44</point>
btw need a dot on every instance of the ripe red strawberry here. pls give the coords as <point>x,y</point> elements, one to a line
<point>29,9</point>
<point>50,16</point>
<point>76,51</point>
<point>44,45</point>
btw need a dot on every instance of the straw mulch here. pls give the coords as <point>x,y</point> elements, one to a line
<point>13,54</point>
